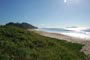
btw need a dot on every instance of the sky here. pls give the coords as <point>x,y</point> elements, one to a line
<point>46,13</point>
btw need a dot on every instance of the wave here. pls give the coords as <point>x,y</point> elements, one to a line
<point>83,33</point>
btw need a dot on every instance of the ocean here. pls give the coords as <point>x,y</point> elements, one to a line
<point>83,33</point>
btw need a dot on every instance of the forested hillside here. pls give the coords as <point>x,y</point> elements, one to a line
<point>21,25</point>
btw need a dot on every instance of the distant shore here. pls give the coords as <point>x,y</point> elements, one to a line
<point>86,43</point>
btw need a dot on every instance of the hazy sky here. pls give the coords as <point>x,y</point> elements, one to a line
<point>46,13</point>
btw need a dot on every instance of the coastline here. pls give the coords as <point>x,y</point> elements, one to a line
<point>86,43</point>
<point>61,37</point>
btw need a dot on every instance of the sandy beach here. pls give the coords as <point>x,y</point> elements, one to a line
<point>86,43</point>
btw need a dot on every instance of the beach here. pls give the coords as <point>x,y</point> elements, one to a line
<point>86,43</point>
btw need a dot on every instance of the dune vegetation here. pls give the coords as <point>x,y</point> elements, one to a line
<point>19,44</point>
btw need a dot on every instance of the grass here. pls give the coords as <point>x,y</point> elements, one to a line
<point>20,44</point>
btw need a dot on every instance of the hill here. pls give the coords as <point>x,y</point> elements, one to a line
<point>21,25</point>
<point>19,44</point>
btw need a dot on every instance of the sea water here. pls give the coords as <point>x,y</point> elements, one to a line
<point>84,34</point>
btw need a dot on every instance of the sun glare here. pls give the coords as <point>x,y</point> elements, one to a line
<point>72,1</point>
<point>65,1</point>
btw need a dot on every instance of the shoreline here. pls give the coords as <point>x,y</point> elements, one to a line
<point>86,43</point>
<point>61,36</point>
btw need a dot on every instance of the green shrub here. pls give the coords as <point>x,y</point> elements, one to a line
<point>20,44</point>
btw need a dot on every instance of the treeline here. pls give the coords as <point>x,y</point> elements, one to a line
<point>21,25</point>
